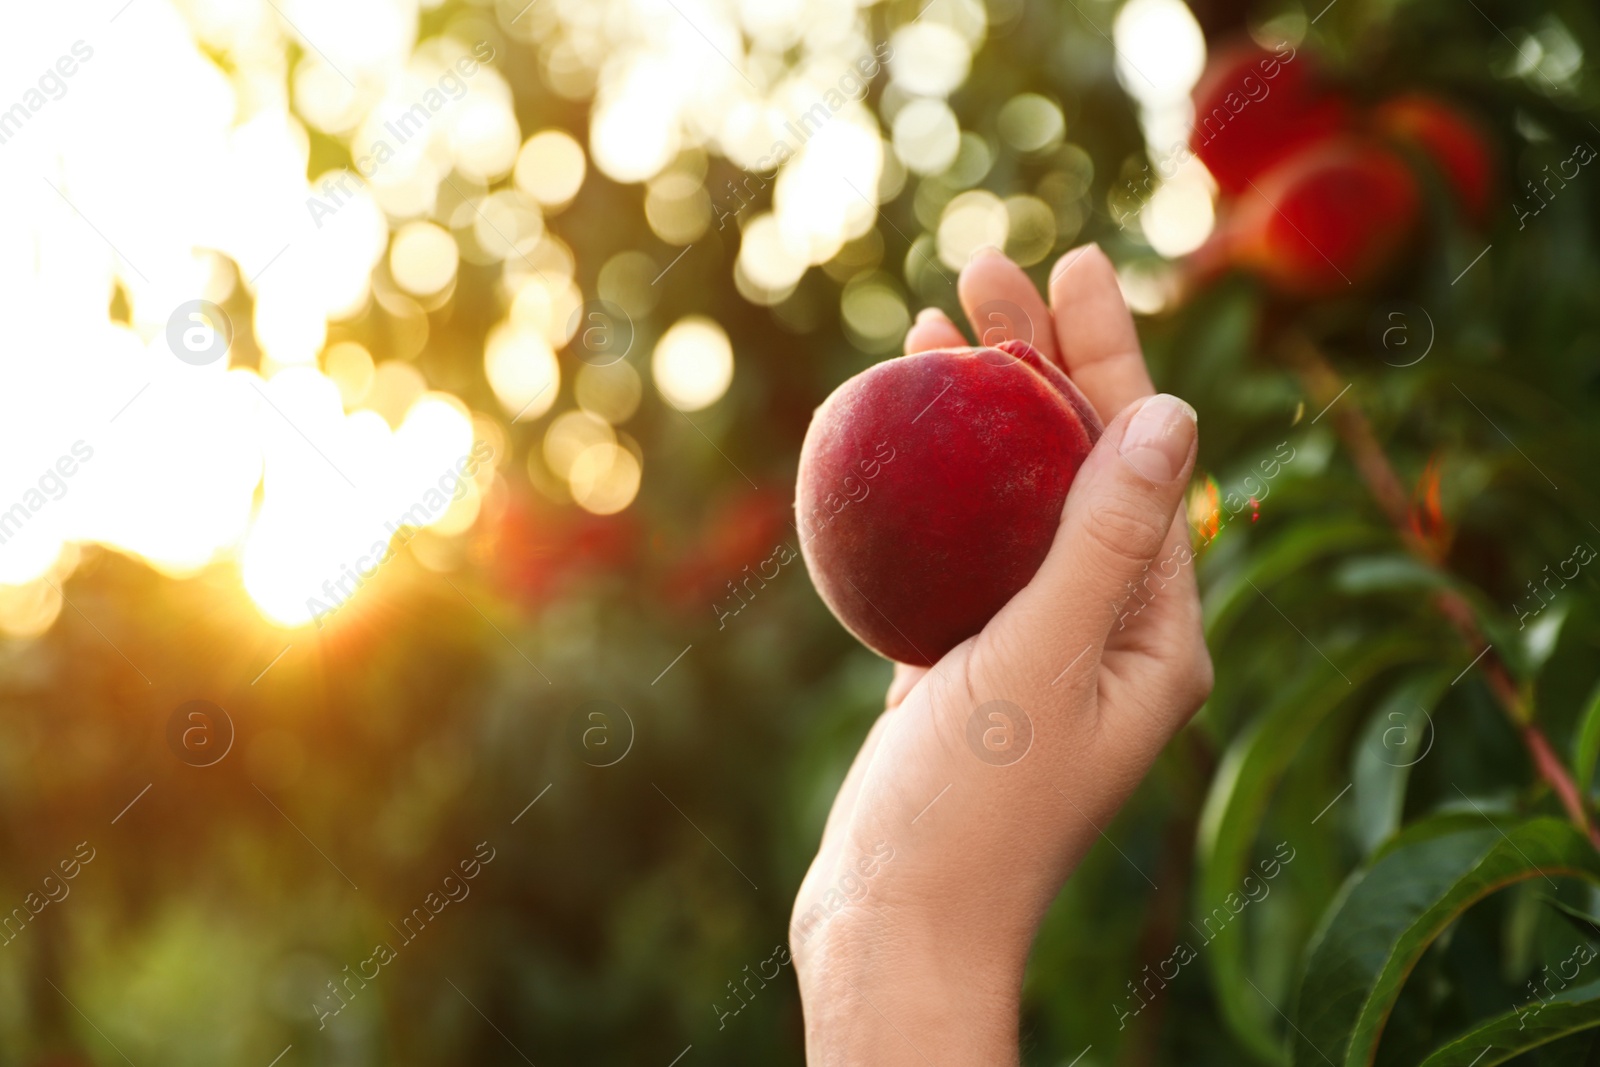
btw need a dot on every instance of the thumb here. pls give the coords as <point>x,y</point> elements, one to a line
<point>1118,515</point>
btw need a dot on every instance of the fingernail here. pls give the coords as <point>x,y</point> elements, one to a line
<point>1158,438</point>
<point>929,314</point>
<point>1065,263</point>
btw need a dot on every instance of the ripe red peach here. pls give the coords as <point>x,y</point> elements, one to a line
<point>1254,108</point>
<point>1456,144</point>
<point>930,488</point>
<point>1327,221</point>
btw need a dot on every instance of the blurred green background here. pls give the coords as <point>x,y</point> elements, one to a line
<point>666,837</point>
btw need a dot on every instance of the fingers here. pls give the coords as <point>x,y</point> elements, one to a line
<point>1147,622</point>
<point>844,802</point>
<point>1118,515</point>
<point>905,679</point>
<point>1117,519</point>
<point>1002,304</point>
<point>1099,345</point>
<point>933,329</point>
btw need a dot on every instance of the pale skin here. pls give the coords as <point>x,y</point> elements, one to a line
<point>924,967</point>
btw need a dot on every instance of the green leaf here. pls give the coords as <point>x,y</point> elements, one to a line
<point>1445,821</point>
<point>1539,642</point>
<point>1400,735</point>
<point>1388,915</point>
<point>1506,1036</point>
<point>1581,921</point>
<point>1388,574</point>
<point>1240,797</point>
<point>1588,747</point>
<point>1294,551</point>
<point>1528,646</point>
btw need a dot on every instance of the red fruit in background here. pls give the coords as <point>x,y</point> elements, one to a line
<point>742,530</point>
<point>534,550</point>
<point>1456,143</point>
<point>1328,220</point>
<point>735,537</point>
<point>1254,108</point>
<point>930,489</point>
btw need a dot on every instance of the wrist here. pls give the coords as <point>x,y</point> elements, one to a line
<point>887,994</point>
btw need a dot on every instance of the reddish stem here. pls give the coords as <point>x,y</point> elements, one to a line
<point>1555,772</point>
<point>1351,424</point>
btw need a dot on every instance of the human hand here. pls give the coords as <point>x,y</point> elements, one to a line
<point>985,781</point>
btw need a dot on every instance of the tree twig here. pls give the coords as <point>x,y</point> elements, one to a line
<point>1372,462</point>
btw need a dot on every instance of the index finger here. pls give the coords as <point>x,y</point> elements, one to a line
<point>1003,304</point>
<point>1095,332</point>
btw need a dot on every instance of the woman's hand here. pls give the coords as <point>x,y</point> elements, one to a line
<point>987,779</point>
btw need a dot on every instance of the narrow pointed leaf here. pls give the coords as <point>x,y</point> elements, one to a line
<point>1388,915</point>
<point>1586,925</point>
<point>1587,750</point>
<point>1527,1027</point>
<point>1230,824</point>
<point>1400,735</point>
<point>1294,551</point>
